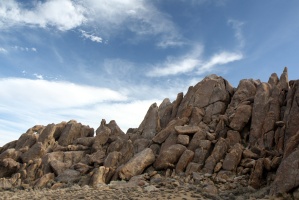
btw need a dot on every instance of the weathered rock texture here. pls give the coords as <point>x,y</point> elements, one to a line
<point>214,129</point>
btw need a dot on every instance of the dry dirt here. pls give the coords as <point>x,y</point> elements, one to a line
<point>149,192</point>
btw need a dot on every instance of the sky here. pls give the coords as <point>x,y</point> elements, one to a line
<point>90,60</point>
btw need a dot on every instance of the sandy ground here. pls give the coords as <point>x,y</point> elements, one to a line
<point>148,193</point>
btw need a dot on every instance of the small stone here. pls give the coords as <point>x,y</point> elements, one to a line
<point>267,164</point>
<point>275,162</point>
<point>150,188</point>
<point>211,189</point>
<point>249,154</point>
<point>57,185</point>
<point>218,167</point>
<point>211,136</point>
<point>280,123</point>
<point>183,139</point>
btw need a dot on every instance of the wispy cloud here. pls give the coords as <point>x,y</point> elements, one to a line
<point>174,66</point>
<point>91,37</point>
<point>237,26</point>
<point>193,61</point>
<point>2,50</point>
<point>19,48</point>
<point>219,59</point>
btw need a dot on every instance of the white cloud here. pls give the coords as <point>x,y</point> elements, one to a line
<point>219,59</point>
<point>174,66</point>
<point>111,17</point>
<point>53,94</point>
<point>2,50</point>
<point>25,103</point>
<point>237,26</point>
<point>126,114</point>
<point>62,14</point>
<point>91,37</point>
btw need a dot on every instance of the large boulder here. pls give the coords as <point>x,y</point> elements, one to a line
<point>99,176</point>
<point>246,90</point>
<point>8,167</point>
<point>184,160</point>
<point>259,112</point>
<point>137,164</point>
<point>151,123</point>
<point>10,153</point>
<point>102,136</point>
<point>38,150</point>
<point>73,131</point>
<point>69,176</point>
<point>163,134</point>
<point>48,158</point>
<point>291,145</point>
<point>9,183</point>
<point>202,152</point>
<point>291,115</point>
<point>217,154</point>
<point>287,175</point>
<point>42,182</point>
<point>233,158</point>
<point>164,112</point>
<point>241,117</point>
<point>210,90</point>
<point>196,139</point>
<point>51,133</point>
<point>169,157</point>
<point>256,176</point>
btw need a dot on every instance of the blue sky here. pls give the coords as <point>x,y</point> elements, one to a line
<point>94,59</point>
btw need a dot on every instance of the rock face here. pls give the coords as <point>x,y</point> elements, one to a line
<point>214,130</point>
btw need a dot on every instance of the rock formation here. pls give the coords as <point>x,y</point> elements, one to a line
<point>214,130</point>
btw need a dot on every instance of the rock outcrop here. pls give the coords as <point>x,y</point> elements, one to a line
<point>214,130</point>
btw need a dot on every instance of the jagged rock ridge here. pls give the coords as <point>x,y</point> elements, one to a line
<point>249,131</point>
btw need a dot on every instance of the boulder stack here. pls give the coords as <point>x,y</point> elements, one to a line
<point>214,130</point>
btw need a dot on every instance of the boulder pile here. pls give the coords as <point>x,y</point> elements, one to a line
<point>250,132</point>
